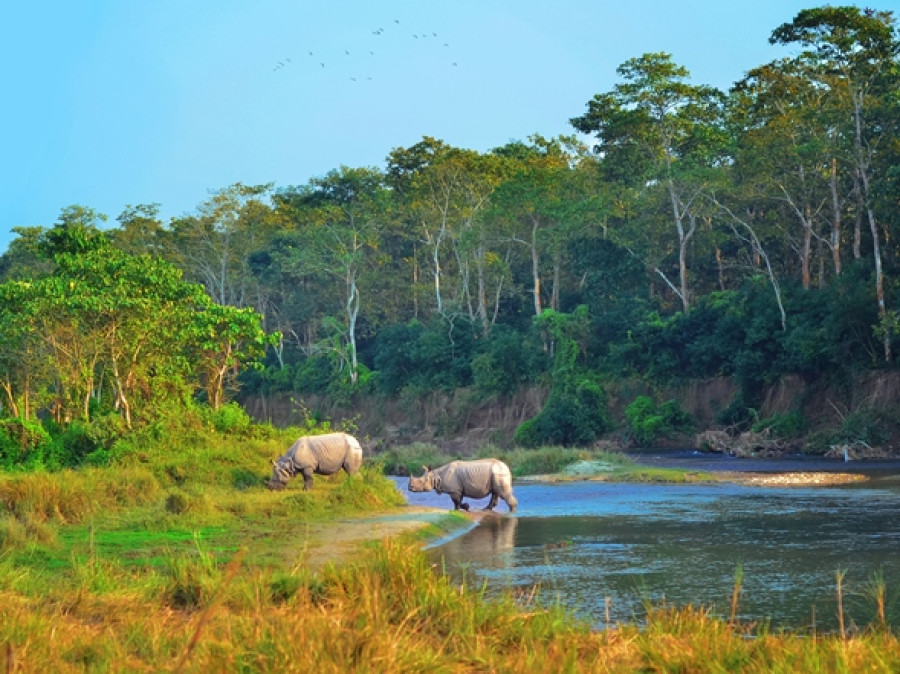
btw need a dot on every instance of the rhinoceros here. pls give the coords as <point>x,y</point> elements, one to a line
<point>474,479</point>
<point>322,454</point>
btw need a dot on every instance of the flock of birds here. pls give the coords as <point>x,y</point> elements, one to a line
<point>286,62</point>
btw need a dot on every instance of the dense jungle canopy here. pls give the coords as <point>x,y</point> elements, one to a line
<point>749,233</point>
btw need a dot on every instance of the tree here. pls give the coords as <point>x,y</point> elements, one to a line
<point>541,197</point>
<point>213,247</point>
<point>852,53</point>
<point>140,231</point>
<point>446,190</point>
<point>110,331</point>
<point>786,156</point>
<point>667,134</point>
<point>221,341</point>
<point>338,220</point>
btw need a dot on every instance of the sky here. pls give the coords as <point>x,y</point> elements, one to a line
<point>111,103</point>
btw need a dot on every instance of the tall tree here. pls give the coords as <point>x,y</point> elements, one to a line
<point>446,190</point>
<point>665,132</point>
<point>339,218</point>
<point>785,157</point>
<point>541,197</point>
<point>852,54</point>
<point>213,246</point>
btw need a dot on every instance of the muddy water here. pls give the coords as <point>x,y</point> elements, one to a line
<point>608,550</point>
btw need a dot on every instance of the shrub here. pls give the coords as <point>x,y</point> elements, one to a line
<point>23,443</point>
<point>409,459</point>
<point>788,426</point>
<point>648,421</point>
<point>229,418</point>
<point>575,417</point>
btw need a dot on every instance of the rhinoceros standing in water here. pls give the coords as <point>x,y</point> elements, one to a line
<point>322,454</point>
<point>475,479</point>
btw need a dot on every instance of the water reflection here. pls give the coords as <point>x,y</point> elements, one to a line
<point>490,546</point>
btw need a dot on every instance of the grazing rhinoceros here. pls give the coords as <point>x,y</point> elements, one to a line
<point>475,479</point>
<point>322,454</point>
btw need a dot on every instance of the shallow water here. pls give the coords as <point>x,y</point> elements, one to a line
<point>607,549</point>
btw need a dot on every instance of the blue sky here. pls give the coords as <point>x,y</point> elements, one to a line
<point>115,102</point>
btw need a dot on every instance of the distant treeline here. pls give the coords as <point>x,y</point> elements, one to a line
<point>750,233</point>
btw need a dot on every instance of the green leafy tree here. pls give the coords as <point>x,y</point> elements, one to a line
<point>668,134</point>
<point>223,340</point>
<point>214,246</point>
<point>337,245</point>
<point>541,201</point>
<point>111,331</point>
<point>852,54</point>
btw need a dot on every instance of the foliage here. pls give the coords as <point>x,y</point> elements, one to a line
<point>788,426</point>
<point>411,459</point>
<point>576,410</point>
<point>108,333</point>
<point>648,421</point>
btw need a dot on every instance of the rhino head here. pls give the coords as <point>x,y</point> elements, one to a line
<point>424,483</point>
<point>281,475</point>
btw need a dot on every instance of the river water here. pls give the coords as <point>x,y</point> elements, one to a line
<point>608,550</point>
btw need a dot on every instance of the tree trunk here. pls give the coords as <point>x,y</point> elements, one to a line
<point>536,269</point>
<point>836,220</point>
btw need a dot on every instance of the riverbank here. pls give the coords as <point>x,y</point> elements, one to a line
<point>341,540</point>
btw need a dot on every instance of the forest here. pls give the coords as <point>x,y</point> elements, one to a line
<point>748,234</point>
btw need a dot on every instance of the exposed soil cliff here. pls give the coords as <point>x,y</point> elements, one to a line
<point>862,413</point>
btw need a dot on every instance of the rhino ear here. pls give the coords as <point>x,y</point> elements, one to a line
<point>274,462</point>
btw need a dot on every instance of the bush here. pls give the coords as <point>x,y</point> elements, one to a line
<point>504,365</point>
<point>23,443</point>
<point>648,421</point>
<point>576,417</point>
<point>229,418</point>
<point>787,426</point>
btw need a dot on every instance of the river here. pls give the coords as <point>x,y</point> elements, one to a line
<point>608,550</point>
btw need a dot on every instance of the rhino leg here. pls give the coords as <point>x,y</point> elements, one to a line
<point>457,502</point>
<point>512,502</point>
<point>307,478</point>
<point>493,501</point>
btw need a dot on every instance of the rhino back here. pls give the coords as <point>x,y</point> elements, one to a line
<point>330,451</point>
<point>470,478</point>
<point>325,453</point>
